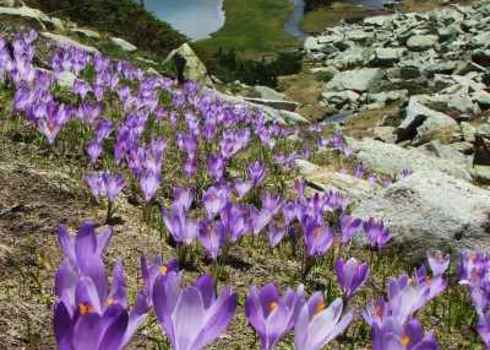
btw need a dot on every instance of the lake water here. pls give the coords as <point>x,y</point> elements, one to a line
<point>194,18</point>
<point>199,18</point>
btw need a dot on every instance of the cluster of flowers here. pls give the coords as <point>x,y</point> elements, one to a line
<point>393,321</point>
<point>208,122</point>
<point>90,314</point>
<point>228,220</point>
<point>217,127</point>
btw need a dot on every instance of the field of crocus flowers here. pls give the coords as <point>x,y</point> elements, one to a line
<point>199,200</point>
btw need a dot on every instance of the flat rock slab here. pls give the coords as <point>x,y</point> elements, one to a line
<point>124,45</point>
<point>63,41</point>
<point>359,80</point>
<point>325,179</point>
<point>28,12</point>
<point>277,104</point>
<point>422,42</point>
<point>432,210</point>
<point>391,159</point>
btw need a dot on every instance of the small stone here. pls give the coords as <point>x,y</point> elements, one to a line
<point>422,42</point>
<point>468,131</point>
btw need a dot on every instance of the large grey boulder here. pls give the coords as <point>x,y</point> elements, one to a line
<point>432,210</point>
<point>194,68</point>
<point>359,80</point>
<point>439,150</point>
<point>391,159</point>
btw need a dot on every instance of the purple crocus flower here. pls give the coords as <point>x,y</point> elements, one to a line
<point>193,317</point>
<point>435,284</point>
<point>183,198</point>
<point>351,275</point>
<point>359,170</point>
<point>438,262</point>
<point>410,336</point>
<point>87,313</point>
<point>212,237</point>
<point>318,238</point>
<point>56,118</point>
<point>103,129</point>
<point>242,188</point>
<point>256,172</point>
<point>483,326</point>
<point>317,324</point>
<point>472,266</point>
<point>182,229</point>
<point>216,167</point>
<point>348,227</point>
<point>235,220</point>
<point>94,150</point>
<point>149,183</point>
<point>105,184</point>
<point>273,315</point>
<point>289,212</point>
<point>81,88</point>
<point>377,234</point>
<point>151,269</point>
<point>215,199</point>
<point>275,233</point>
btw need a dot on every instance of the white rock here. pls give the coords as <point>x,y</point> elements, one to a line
<point>430,209</point>
<point>61,40</point>
<point>391,159</point>
<point>124,45</point>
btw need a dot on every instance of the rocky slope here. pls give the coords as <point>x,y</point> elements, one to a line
<point>433,69</point>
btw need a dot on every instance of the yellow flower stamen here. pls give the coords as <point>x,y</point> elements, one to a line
<point>273,306</point>
<point>405,341</point>
<point>85,308</point>
<point>320,307</point>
